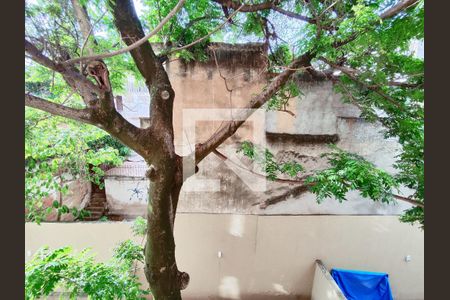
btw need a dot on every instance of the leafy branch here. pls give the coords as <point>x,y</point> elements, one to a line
<point>266,160</point>
<point>80,275</point>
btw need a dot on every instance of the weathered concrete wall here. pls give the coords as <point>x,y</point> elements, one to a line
<point>263,256</point>
<point>320,117</point>
<point>126,196</point>
<point>126,188</point>
<point>203,101</point>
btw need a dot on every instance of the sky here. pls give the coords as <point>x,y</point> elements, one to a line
<point>139,6</point>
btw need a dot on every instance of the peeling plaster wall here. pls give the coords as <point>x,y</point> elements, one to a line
<point>202,103</point>
<point>320,116</point>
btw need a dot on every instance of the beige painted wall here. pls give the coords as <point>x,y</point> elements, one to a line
<point>264,256</point>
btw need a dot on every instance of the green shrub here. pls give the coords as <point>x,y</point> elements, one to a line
<point>77,274</point>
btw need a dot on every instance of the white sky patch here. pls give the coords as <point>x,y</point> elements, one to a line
<point>139,6</point>
<point>417,47</point>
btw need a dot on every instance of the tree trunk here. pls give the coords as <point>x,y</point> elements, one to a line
<point>160,265</point>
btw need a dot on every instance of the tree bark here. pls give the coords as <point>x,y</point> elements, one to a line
<point>161,270</point>
<point>165,171</point>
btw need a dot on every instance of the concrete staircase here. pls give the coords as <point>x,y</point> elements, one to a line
<point>97,204</point>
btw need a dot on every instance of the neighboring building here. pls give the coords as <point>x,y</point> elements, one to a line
<point>203,101</point>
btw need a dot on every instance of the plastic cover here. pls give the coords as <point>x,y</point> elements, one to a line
<point>362,285</point>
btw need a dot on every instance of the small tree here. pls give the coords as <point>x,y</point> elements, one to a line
<point>362,46</point>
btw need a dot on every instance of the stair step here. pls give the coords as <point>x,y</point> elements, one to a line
<point>115,217</point>
<point>95,208</point>
<point>98,195</point>
<point>99,204</point>
<point>97,201</point>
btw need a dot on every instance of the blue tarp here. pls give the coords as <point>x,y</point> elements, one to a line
<point>362,285</point>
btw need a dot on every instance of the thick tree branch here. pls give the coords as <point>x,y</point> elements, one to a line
<point>78,82</point>
<point>229,128</point>
<point>131,46</point>
<point>100,111</point>
<point>409,200</point>
<point>397,8</point>
<point>138,139</point>
<point>156,79</point>
<point>36,55</point>
<point>127,22</point>
<point>81,115</point>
